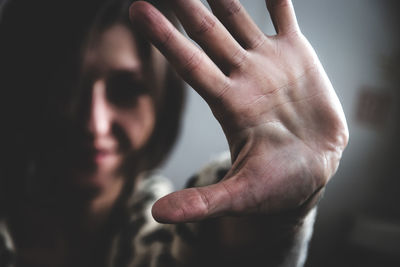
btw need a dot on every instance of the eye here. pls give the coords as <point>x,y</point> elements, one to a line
<point>123,88</point>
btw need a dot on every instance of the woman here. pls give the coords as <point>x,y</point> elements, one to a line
<point>98,108</point>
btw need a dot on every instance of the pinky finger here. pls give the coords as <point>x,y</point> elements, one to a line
<point>283,16</point>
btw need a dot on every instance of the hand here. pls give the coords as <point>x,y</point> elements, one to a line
<point>284,124</point>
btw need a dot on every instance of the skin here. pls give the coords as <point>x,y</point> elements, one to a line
<point>115,51</point>
<point>283,121</point>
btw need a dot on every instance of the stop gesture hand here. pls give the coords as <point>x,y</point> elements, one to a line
<point>284,124</point>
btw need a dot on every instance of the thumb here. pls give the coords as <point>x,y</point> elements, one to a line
<point>194,204</point>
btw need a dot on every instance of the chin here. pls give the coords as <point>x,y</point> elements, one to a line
<point>99,178</point>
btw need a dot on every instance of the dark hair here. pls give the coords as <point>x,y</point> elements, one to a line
<point>41,42</point>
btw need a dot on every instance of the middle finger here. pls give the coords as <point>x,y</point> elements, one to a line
<point>204,28</point>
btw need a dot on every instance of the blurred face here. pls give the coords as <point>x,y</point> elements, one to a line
<point>119,114</point>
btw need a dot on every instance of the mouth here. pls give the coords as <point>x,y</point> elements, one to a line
<point>94,156</point>
<point>101,156</point>
<point>86,153</point>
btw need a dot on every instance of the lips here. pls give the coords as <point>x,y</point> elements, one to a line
<point>101,155</point>
<point>97,152</point>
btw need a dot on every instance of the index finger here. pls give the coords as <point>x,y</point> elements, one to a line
<point>195,67</point>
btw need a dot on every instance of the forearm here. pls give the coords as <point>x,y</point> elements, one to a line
<point>266,240</point>
<point>247,241</point>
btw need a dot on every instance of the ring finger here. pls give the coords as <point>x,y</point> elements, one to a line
<point>204,28</point>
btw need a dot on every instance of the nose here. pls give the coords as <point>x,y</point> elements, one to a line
<point>100,118</point>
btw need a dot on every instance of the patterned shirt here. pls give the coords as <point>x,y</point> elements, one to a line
<point>140,241</point>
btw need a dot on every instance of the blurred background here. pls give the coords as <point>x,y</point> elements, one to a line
<point>358,221</point>
<point>358,42</point>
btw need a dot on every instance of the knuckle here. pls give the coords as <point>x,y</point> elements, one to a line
<point>292,31</point>
<point>232,7</point>
<point>206,207</point>
<point>167,35</point>
<point>239,58</point>
<point>226,86</point>
<point>257,41</point>
<point>278,3</point>
<point>192,63</point>
<point>206,24</point>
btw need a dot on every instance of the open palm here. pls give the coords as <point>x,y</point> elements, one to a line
<point>284,124</point>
